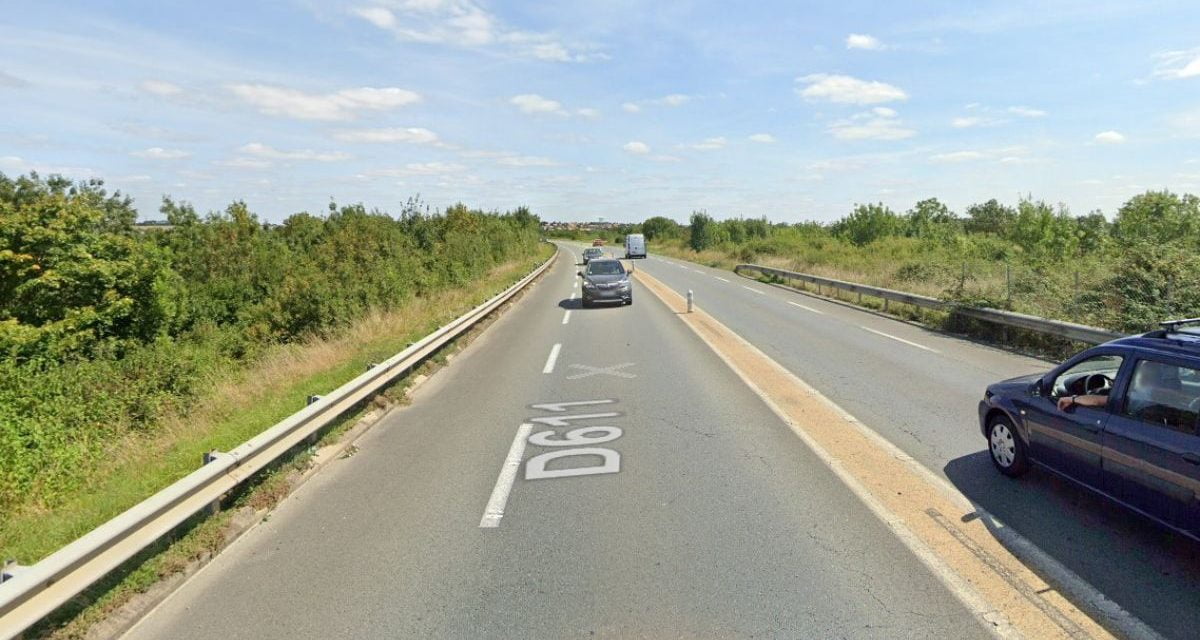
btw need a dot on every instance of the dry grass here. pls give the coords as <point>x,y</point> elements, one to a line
<point>234,408</point>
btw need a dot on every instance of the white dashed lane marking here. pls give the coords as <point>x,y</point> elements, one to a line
<point>907,342</point>
<point>806,307</point>
<point>552,358</point>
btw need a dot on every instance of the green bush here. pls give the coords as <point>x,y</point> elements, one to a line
<point>103,328</point>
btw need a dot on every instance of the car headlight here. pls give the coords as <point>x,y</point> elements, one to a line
<point>624,284</point>
<point>587,284</point>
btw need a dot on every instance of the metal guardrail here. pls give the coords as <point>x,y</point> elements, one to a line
<point>1068,330</point>
<point>33,592</point>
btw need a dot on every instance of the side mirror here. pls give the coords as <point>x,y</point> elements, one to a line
<point>579,273</point>
<point>1036,389</point>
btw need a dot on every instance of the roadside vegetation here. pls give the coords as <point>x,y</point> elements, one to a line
<point>1125,274</point>
<point>125,353</point>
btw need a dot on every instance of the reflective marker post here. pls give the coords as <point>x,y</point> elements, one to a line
<point>689,300</point>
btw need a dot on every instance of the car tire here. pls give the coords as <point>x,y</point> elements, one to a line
<point>1005,447</point>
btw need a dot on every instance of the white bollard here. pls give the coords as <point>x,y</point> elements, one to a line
<point>689,300</point>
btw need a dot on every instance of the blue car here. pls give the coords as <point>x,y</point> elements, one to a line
<point>1120,418</point>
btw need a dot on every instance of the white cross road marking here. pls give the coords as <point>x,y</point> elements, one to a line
<point>563,421</point>
<point>562,406</point>
<point>589,371</point>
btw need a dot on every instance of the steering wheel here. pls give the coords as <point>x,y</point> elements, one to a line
<point>1097,384</point>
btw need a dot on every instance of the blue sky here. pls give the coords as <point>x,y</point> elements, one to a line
<point>618,109</point>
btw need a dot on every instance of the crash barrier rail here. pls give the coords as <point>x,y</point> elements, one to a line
<point>1068,330</point>
<point>27,594</point>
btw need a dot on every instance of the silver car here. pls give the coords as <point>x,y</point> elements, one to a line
<point>605,280</point>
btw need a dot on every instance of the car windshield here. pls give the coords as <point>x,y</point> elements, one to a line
<point>592,252</point>
<point>606,268</point>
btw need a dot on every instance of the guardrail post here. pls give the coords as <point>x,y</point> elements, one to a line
<point>214,507</point>
<point>10,570</point>
<point>689,300</point>
<point>885,305</point>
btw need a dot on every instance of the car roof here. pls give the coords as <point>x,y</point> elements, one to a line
<point>605,260</point>
<point>1184,342</point>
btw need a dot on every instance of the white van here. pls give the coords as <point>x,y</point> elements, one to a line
<point>635,246</point>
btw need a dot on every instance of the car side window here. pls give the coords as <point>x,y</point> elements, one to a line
<point>1092,376</point>
<point>1164,395</point>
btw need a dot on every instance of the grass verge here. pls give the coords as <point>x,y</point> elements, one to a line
<point>245,403</point>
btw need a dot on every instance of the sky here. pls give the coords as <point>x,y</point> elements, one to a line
<point>616,109</point>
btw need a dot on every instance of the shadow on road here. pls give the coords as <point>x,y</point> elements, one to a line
<point>577,304</point>
<point>1150,572</point>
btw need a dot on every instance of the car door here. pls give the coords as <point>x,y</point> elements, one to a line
<point>1151,443</point>
<point>1069,442</point>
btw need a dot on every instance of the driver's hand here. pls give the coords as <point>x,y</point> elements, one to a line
<point>1065,403</point>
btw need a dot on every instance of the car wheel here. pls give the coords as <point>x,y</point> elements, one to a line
<point>1006,447</point>
<point>629,300</point>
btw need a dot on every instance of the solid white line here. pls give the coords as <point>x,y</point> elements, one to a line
<point>508,473</point>
<point>754,290</point>
<point>720,278</point>
<point>805,307</point>
<point>549,368</point>
<point>567,316</point>
<point>907,342</point>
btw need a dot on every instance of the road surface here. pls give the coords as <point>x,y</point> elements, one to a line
<point>719,522</point>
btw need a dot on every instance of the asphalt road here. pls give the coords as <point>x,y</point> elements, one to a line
<point>919,389</point>
<point>718,523</point>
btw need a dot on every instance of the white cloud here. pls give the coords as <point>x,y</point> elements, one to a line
<point>408,135</point>
<point>378,16</point>
<point>1109,137</point>
<point>848,89</point>
<point>533,103</point>
<point>762,137</point>
<point>974,121</point>
<point>342,105</point>
<point>630,107</point>
<point>1176,65</point>
<point>957,156</point>
<point>711,144</point>
<point>863,41</point>
<point>420,169</point>
<point>159,153</point>
<point>242,162</point>
<point>1026,112</point>
<point>11,81</point>
<point>877,124</point>
<point>160,88</point>
<point>673,100</point>
<point>264,151</point>
<point>527,161</point>
<point>636,147</point>
<point>464,23</point>
<point>588,112</point>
